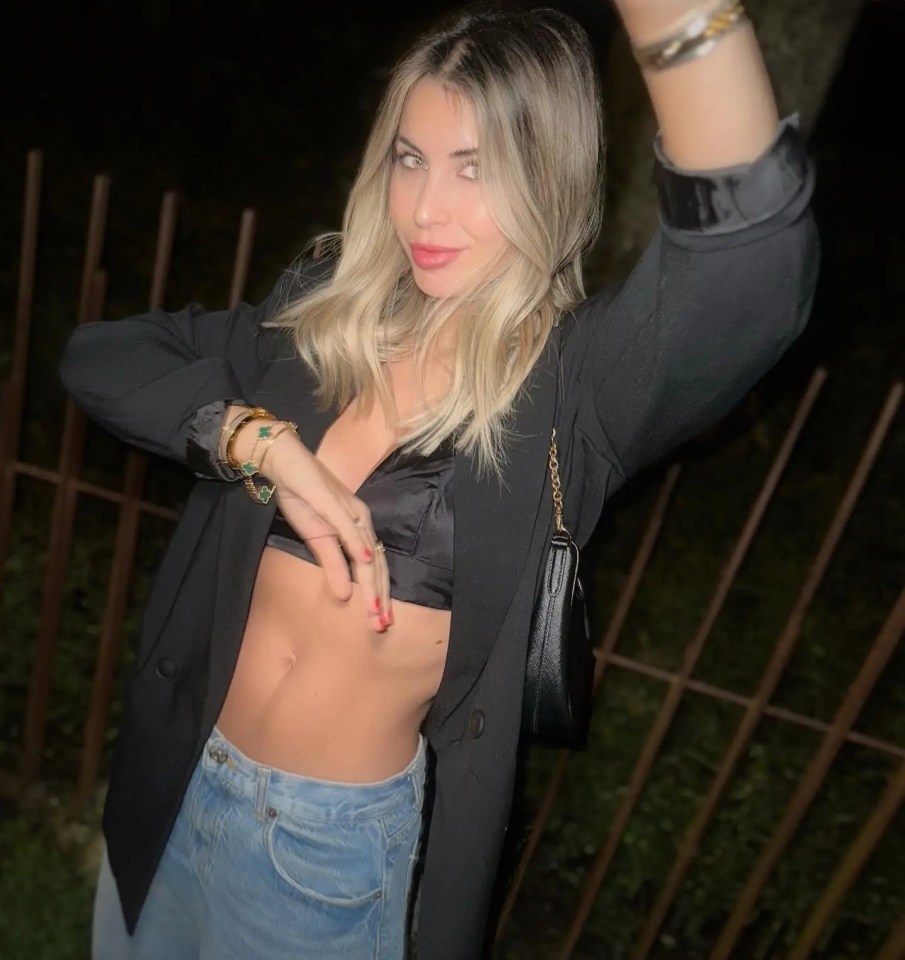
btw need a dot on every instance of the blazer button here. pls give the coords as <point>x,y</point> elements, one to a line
<point>475,725</point>
<point>166,669</point>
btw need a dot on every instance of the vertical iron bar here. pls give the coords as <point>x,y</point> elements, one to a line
<point>677,687</point>
<point>124,549</point>
<point>63,516</point>
<point>163,254</point>
<point>14,388</point>
<point>243,256</point>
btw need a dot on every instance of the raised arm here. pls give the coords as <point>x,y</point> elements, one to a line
<point>726,283</point>
<point>706,78</point>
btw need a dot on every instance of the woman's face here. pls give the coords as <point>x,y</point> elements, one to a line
<point>436,199</point>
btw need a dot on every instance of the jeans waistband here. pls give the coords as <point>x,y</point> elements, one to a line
<point>324,801</point>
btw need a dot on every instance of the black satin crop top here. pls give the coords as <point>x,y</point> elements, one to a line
<point>411,502</point>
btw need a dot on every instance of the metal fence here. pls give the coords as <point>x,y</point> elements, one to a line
<point>68,488</point>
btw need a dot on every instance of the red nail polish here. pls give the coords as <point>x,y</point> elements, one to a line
<point>366,553</point>
<point>377,604</point>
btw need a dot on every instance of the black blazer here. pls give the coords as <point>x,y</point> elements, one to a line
<point>722,290</point>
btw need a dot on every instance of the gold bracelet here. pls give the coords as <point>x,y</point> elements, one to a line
<point>260,494</point>
<point>285,425</point>
<point>250,469</point>
<point>228,424</point>
<point>263,433</point>
<point>255,413</point>
<point>266,435</point>
<point>696,39</point>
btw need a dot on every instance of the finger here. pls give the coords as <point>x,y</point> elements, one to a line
<point>332,561</point>
<point>374,581</point>
<point>382,599</point>
<point>336,542</point>
<point>361,520</point>
<point>377,608</point>
<point>370,579</point>
<point>357,537</point>
<point>356,532</point>
<point>384,578</point>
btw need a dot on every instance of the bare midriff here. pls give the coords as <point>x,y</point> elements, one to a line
<point>317,690</point>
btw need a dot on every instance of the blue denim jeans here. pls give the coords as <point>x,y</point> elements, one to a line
<point>267,865</point>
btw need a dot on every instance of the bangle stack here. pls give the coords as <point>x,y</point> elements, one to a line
<point>697,38</point>
<point>251,467</point>
<point>251,413</point>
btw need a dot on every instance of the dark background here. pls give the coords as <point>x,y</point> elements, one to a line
<point>261,105</point>
<point>266,106</point>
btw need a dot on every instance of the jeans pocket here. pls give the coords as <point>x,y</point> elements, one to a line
<point>341,866</point>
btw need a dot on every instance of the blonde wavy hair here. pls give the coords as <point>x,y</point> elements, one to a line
<point>531,80</point>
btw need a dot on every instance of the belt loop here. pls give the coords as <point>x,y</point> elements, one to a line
<point>263,782</point>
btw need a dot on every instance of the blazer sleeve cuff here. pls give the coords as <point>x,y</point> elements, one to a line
<point>751,198</point>
<point>202,445</point>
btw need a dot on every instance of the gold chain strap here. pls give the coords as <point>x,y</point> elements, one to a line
<point>557,489</point>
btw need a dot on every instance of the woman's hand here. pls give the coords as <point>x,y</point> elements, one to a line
<point>333,522</point>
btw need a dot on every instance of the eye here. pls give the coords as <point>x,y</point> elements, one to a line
<point>470,170</point>
<point>410,161</point>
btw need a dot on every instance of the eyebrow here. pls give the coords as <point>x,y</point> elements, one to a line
<point>463,152</point>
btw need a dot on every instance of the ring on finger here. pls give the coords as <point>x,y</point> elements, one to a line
<point>379,547</point>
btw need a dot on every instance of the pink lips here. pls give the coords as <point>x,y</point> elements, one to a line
<point>429,257</point>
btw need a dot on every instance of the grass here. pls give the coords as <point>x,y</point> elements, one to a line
<point>46,884</point>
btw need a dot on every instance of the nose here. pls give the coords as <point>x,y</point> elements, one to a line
<point>431,203</point>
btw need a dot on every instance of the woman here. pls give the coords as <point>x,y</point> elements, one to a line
<point>338,629</point>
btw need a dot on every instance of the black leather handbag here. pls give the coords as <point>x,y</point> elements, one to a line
<point>559,677</point>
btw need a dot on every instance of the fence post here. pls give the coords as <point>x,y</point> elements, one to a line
<point>243,256</point>
<point>63,516</point>
<point>124,548</point>
<point>14,388</point>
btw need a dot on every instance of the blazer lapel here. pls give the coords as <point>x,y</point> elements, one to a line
<point>493,528</point>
